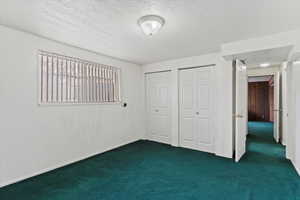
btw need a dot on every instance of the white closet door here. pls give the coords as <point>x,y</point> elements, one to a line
<point>158,107</point>
<point>196,95</point>
<point>187,99</point>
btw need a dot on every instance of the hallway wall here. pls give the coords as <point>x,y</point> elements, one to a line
<point>293,148</point>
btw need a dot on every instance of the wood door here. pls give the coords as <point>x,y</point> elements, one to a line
<point>258,101</point>
<point>158,107</point>
<point>195,100</point>
<point>241,95</point>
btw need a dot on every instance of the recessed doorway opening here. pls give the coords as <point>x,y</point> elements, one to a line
<point>263,138</point>
<point>260,101</point>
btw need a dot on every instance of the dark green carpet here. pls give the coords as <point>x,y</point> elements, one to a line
<point>148,170</point>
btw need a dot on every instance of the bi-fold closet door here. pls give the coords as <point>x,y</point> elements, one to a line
<point>158,107</point>
<point>196,126</point>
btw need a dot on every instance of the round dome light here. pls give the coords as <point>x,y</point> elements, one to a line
<point>151,24</point>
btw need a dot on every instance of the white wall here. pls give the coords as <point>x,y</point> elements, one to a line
<point>296,142</point>
<point>284,105</point>
<point>223,77</point>
<point>36,138</point>
<point>293,141</point>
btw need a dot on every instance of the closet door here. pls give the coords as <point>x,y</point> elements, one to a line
<point>196,128</point>
<point>158,107</point>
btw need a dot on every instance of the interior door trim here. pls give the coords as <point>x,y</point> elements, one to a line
<point>184,68</point>
<point>157,72</point>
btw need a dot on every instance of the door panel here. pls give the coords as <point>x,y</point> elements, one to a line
<point>187,130</point>
<point>240,110</point>
<point>203,96</point>
<point>158,107</point>
<point>187,96</point>
<point>196,109</point>
<point>203,127</point>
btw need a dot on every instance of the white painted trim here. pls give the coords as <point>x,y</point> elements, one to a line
<point>62,164</point>
<point>79,104</point>
<point>175,107</point>
<point>262,74</point>
<point>296,168</point>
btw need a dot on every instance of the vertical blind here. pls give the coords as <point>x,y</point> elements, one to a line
<point>66,79</point>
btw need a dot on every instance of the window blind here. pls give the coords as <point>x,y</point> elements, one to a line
<point>65,79</point>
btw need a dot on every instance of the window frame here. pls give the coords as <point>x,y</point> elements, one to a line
<point>64,103</point>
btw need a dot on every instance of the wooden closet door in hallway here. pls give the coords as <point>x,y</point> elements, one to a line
<point>259,101</point>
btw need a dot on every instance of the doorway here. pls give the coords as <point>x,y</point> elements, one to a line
<point>263,108</point>
<point>257,111</point>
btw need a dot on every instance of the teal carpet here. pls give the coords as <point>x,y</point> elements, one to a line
<point>151,171</point>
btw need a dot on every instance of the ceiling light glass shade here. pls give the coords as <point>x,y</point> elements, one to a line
<point>151,24</point>
<point>265,65</point>
<point>296,62</point>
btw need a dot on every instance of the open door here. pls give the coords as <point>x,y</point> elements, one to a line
<point>277,110</point>
<point>241,101</point>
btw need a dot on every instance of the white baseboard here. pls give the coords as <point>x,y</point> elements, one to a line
<point>174,145</point>
<point>224,156</point>
<point>296,168</point>
<point>63,164</point>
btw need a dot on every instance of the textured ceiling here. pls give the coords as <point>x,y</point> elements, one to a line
<point>193,27</point>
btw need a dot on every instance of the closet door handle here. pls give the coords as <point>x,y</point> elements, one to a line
<point>156,110</point>
<point>197,113</point>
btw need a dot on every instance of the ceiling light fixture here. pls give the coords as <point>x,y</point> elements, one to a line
<point>151,24</point>
<point>265,65</point>
<point>296,62</point>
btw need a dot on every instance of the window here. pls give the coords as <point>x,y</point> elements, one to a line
<point>72,80</point>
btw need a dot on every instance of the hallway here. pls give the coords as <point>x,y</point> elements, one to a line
<point>261,144</point>
<point>268,157</point>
